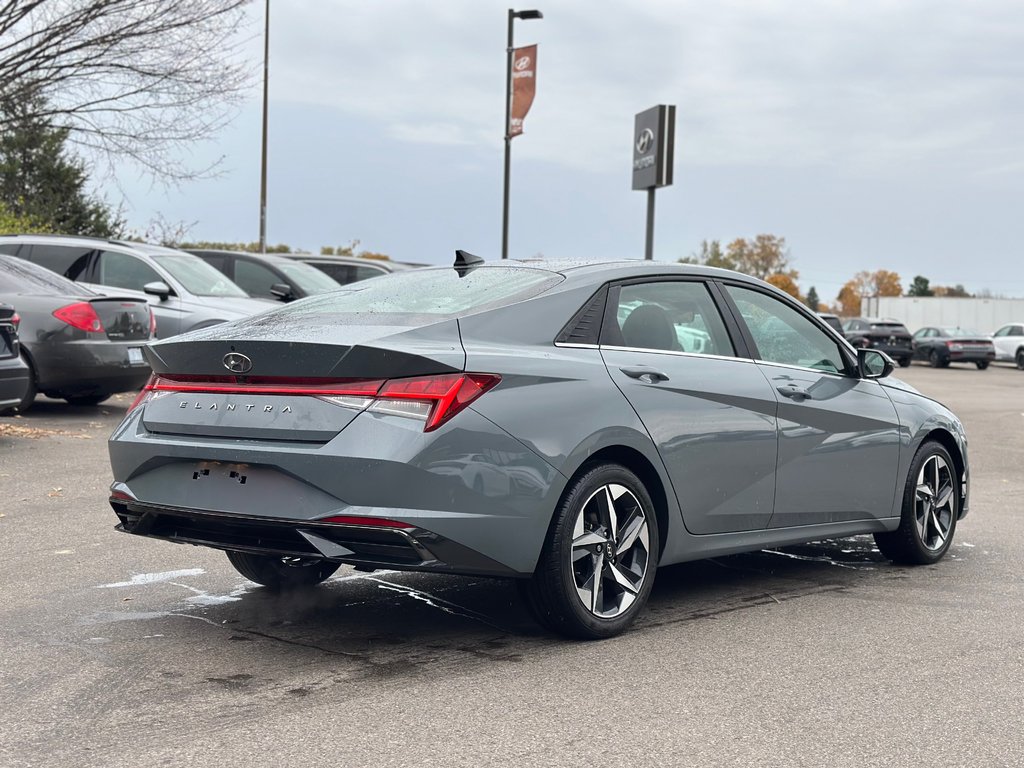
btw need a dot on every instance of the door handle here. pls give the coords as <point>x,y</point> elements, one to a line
<point>645,373</point>
<point>793,392</point>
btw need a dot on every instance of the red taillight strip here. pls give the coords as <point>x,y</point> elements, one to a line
<point>375,522</point>
<point>293,387</point>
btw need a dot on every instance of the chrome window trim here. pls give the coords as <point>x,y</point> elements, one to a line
<point>573,345</point>
<point>675,353</point>
<point>838,374</point>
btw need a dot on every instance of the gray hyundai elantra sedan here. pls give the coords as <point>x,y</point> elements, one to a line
<point>569,425</point>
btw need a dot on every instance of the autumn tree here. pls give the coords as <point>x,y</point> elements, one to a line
<point>760,257</point>
<point>135,79</point>
<point>787,284</point>
<point>920,287</point>
<point>812,300</point>
<point>955,292</point>
<point>849,299</point>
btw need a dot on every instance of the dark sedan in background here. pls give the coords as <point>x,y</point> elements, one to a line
<point>269,276</point>
<point>13,370</point>
<point>941,346</point>
<point>78,345</point>
<point>889,336</point>
<point>350,269</point>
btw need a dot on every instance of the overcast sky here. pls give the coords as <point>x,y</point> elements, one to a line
<point>869,134</point>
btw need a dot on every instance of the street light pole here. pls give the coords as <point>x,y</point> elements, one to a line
<point>263,151</point>
<point>512,16</point>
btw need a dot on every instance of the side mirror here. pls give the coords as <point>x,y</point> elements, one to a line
<point>157,288</point>
<point>873,364</point>
<point>283,291</point>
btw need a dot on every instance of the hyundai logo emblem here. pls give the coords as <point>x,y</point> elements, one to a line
<point>523,62</point>
<point>644,141</point>
<point>237,363</point>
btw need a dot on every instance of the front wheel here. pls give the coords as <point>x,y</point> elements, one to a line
<point>597,567</point>
<point>1020,360</point>
<point>904,362</point>
<point>982,365</point>
<point>931,503</point>
<point>282,572</point>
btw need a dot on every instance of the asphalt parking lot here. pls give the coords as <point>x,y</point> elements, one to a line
<point>120,651</point>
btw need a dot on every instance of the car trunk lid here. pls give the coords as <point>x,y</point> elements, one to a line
<point>123,319</point>
<point>296,383</point>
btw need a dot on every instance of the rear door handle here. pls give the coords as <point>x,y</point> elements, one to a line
<point>645,373</point>
<point>795,393</point>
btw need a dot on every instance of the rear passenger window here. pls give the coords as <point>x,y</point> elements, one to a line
<point>120,270</point>
<point>66,260</point>
<point>670,316</point>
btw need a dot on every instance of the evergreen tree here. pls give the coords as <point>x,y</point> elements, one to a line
<point>40,180</point>
<point>920,287</point>
<point>812,300</point>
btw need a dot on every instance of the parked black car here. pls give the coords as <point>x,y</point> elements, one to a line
<point>889,336</point>
<point>832,321</point>
<point>350,269</point>
<point>14,377</point>
<point>942,346</point>
<point>79,345</point>
<point>267,275</point>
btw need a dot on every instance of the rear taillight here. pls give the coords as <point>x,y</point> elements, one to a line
<point>435,399</point>
<point>431,399</point>
<point>376,522</point>
<point>152,325</point>
<point>81,316</point>
<point>16,319</point>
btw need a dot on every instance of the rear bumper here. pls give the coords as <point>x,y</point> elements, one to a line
<point>87,367</point>
<point>13,381</point>
<point>971,356</point>
<point>364,546</point>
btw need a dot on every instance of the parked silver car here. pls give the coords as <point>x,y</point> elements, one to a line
<point>183,291</point>
<point>546,422</point>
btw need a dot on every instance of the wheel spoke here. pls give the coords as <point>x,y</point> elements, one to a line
<point>595,593</point>
<point>943,496</point>
<point>924,492</point>
<point>611,519</point>
<point>621,578</point>
<point>629,538</point>
<point>939,530</point>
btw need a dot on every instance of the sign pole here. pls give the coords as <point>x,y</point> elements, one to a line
<point>508,138</point>
<point>649,244</point>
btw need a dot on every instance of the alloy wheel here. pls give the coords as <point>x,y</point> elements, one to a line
<point>610,551</point>
<point>935,502</point>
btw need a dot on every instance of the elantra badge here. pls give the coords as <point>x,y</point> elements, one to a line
<point>237,362</point>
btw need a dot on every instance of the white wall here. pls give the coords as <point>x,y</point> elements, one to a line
<point>983,315</point>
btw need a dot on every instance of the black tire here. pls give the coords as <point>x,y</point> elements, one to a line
<point>904,362</point>
<point>934,360</point>
<point>982,365</point>
<point>906,544</point>
<point>1020,359</point>
<point>279,573</point>
<point>30,394</point>
<point>85,400</point>
<point>631,553</point>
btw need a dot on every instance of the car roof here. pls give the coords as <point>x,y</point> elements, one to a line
<point>270,258</point>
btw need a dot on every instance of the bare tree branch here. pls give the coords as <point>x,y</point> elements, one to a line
<point>136,79</point>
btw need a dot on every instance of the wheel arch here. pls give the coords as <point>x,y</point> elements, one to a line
<point>639,465</point>
<point>946,439</point>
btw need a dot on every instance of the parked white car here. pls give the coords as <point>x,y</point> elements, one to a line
<point>1009,342</point>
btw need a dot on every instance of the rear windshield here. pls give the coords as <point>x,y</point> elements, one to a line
<point>20,276</point>
<point>198,277</point>
<point>957,331</point>
<point>430,294</point>
<point>895,327</point>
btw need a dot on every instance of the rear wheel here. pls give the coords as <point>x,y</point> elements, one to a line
<point>282,572</point>
<point>1020,359</point>
<point>931,503</point>
<point>934,360</point>
<point>597,567</point>
<point>904,362</point>
<point>87,399</point>
<point>982,365</point>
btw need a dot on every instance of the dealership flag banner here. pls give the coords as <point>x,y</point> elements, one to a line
<point>524,84</point>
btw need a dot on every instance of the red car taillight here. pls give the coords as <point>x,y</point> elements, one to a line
<point>81,316</point>
<point>434,399</point>
<point>16,319</point>
<point>152,325</point>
